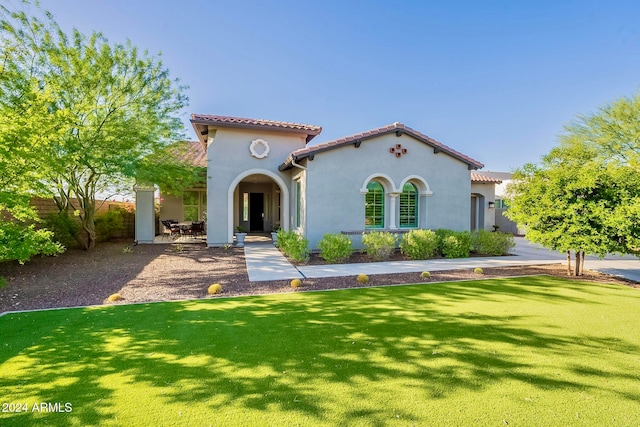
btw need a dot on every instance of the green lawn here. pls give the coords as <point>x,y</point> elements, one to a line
<point>528,351</point>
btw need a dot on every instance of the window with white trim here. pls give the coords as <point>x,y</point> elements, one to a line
<point>409,206</point>
<point>374,206</point>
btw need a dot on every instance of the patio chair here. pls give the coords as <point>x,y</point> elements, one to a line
<point>170,228</point>
<point>197,228</point>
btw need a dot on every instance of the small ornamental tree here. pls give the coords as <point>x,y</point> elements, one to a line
<point>91,114</point>
<point>584,197</point>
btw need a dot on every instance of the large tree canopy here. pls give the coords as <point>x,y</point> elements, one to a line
<point>83,114</point>
<point>612,133</point>
<point>584,196</point>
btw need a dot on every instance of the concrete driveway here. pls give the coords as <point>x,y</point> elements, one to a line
<point>627,266</point>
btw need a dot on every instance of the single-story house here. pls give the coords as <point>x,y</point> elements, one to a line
<point>504,223</point>
<point>263,175</point>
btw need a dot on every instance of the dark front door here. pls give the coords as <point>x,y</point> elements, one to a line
<point>256,212</point>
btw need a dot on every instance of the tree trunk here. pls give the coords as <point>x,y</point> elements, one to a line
<point>89,224</point>
<point>581,263</point>
<point>568,263</point>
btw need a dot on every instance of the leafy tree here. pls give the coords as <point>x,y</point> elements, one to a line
<point>22,112</point>
<point>107,109</point>
<point>585,195</point>
<point>613,133</point>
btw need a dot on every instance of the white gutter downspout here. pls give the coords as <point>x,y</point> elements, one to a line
<point>293,163</point>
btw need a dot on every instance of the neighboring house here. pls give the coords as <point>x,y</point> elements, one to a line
<point>263,175</point>
<point>504,223</point>
<point>483,201</point>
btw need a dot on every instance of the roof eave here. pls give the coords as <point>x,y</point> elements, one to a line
<point>471,163</point>
<point>309,134</point>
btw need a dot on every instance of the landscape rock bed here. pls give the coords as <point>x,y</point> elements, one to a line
<point>178,272</point>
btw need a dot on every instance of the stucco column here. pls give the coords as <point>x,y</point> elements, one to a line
<point>393,224</point>
<point>145,214</point>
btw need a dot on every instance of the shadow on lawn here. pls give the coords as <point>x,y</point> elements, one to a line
<point>280,351</point>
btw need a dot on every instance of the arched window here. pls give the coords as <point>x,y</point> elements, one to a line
<point>409,206</point>
<point>374,206</point>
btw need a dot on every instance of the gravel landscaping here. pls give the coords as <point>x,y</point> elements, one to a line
<point>177,272</point>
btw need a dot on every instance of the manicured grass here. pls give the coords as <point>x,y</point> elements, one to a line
<point>535,351</point>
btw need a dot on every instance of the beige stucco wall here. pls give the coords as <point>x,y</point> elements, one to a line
<point>488,193</point>
<point>229,161</point>
<point>335,179</point>
<point>170,207</point>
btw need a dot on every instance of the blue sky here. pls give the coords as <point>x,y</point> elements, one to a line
<point>495,80</point>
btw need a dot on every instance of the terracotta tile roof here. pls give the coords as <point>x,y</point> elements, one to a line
<point>399,128</point>
<point>200,121</point>
<point>482,179</point>
<point>192,152</point>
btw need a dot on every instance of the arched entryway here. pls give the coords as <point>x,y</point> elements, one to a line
<point>258,201</point>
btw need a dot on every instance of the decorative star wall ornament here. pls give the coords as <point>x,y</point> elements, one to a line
<point>398,150</point>
<point>259,148</point>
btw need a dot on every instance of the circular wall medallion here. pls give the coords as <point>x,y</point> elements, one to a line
<point>259,148</point>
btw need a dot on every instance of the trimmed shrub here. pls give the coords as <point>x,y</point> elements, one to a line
<point>425,275</point>
<point>296,283</point>
<point>109,224</point>
<point>379,245</point>
<point>419,244</point>
<point>478,270</point>
<point>454,244</point>
<point>284,239</point>
<point>485,242</point>
<point>335,248</point>
<point>362,278</point>
<point>216,288</point>
<point>293,245</point>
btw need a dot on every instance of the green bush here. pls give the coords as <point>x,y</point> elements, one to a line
<point>335,248</point>
<point>379,245</point>
<point>486,242</point>
<point>20,238</point>
<point>419,244</point>
<point>19,242</point>
<point>109,224</point>
<point>293,245</point>
<point>454,244</point>
<point>64,227</point>
<point>284,239</point>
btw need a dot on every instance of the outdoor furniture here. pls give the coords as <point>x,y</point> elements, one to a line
<point>197,228</point>
<point>170,228</point>
<point>185,228</point>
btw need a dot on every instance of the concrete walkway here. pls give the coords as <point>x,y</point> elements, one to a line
<point>625,266</point>
<point>265,262</point>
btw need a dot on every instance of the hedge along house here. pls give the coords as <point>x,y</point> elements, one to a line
<point>262,175</point>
